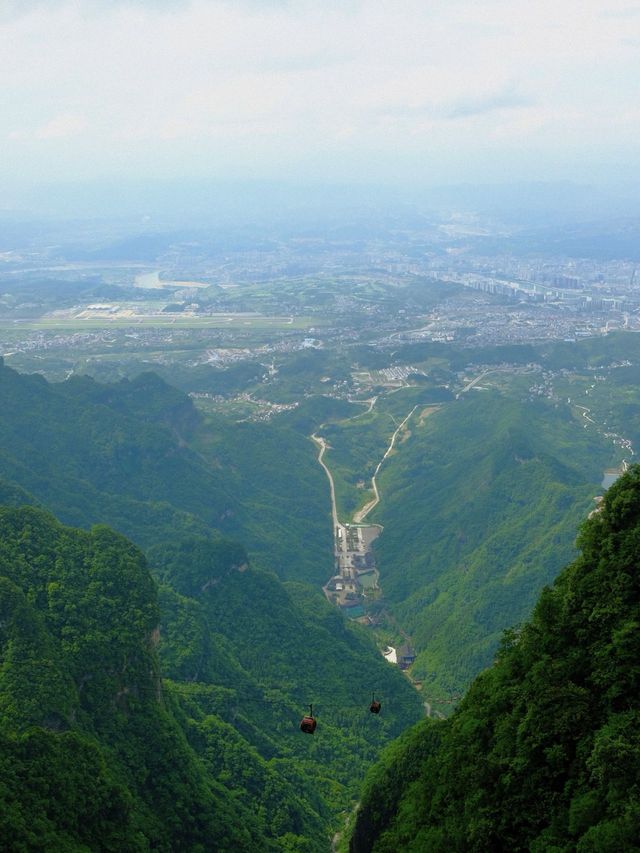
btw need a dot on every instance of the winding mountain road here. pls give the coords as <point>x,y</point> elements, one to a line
<point>322,444</point>
<point>361,514</point>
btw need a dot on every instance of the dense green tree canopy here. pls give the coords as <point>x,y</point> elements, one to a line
<point>480,511</point>
<point>98,752</point>
<point>544,751</point>
<point>138,456</point>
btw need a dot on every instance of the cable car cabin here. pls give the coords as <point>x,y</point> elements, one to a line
<point>375,707</point>
<point>308,725</point>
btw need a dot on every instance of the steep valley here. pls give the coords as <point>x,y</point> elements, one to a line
<point>236,661</point>
<point>480,496</point>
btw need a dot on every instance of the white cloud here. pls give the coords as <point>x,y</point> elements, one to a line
<point>137,85</point>
<point>61,126</point>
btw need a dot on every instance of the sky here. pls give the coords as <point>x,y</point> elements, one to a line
<point>393,92</point>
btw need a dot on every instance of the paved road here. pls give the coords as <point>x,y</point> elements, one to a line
<point>322,444</point>
<point>361,514</point>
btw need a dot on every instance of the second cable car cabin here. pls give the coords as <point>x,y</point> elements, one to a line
<point>309,722</point>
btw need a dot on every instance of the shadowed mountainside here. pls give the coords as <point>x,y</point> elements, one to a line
<point>544,751</point>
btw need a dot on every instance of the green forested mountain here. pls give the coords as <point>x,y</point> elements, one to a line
<point>137,455</point>
<point>543,753</point>
<point>113,454</point>
<point>98,752</point>
<point>283,510</point>
<point>479,510</point>
<point>275,650</point>
<point>92,757</point>
<point>209,757</point>
<point>197,642</point>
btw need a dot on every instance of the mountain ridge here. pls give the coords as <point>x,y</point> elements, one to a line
<point>543,752</point>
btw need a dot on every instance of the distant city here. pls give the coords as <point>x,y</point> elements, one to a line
<point>233,303</point>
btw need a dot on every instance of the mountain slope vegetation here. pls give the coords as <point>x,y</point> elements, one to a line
<point>543,752</point>
<point>479,511</point>
<point>100,752</point>
<point>92,757</point>
<point>138,456</point>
